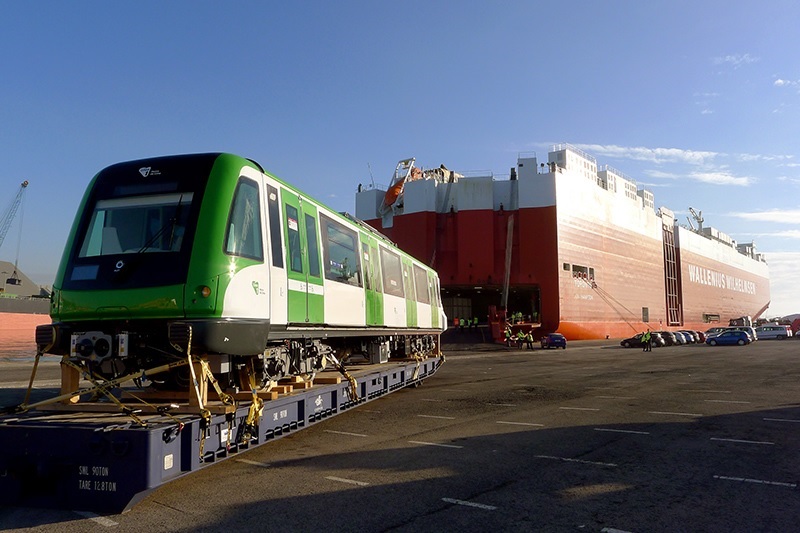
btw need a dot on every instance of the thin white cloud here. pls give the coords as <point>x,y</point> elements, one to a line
<point>655,155</point>
<point>736,60</point>
<point>722,178</point>
<point>783,216</point>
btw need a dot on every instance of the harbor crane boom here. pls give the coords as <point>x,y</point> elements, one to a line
<point>11,211</point>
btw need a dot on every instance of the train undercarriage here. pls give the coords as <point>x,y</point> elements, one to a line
<point>112,351</point>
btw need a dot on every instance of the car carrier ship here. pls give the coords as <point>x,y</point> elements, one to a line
<point>572,247</point>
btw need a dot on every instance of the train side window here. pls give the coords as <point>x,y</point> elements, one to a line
<point>313,246</point>
<point>340,252</point>
<point>421,282</point>
<point>276,239</point>
<point>243,237</point>
<point>295,257</point>
<point>392,273</point>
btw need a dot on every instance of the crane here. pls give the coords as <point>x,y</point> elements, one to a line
<point>5,224</point>
<point>11,211</point>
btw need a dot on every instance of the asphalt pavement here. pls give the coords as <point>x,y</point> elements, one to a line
<point>592,438</point>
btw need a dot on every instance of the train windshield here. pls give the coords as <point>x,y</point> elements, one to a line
<point>137,224</point>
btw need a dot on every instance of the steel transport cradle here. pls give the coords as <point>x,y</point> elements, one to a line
<point>78,457</point>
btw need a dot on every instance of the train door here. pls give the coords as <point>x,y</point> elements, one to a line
<point>411,294</point>
<point>305,291</point>
<point>372,281</point>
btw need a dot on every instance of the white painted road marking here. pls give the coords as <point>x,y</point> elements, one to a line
<point>435,444</point>
<point>579,408</point>
<point>102,520</point>
<point>617,397</point>
<point>254,463</point>
<point>725,401</point>
<point>455,390</point>
<point>744,441</point>
<point>567,459</point>
<point>439,417</point>
<point>623,431</point>
<point>709,391</point>
<point>613,530</point>
<point>503,404</point>
<point>345,433</point>
<point>759,481</point>
<point>470,504</point>
<point>781,420</point>
<point>519,423</point>
<point>674,414</point>
<point>350,481</point>
<point>430,400</point>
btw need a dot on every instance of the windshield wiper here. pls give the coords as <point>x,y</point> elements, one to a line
<point>171,223</point>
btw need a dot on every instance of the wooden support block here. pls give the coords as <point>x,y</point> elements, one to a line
<point>70,382</point>
<point>302,385</point>
<point>282,389</point>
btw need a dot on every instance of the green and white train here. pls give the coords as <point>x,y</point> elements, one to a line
<point>209,254</point>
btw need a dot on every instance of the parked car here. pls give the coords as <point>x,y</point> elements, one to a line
<point>691,336</point>
<point>554,340</point>
<point>730,337</point>
<point>714,331</point>
<point>748,329</point>
<point>669,338</point>
<point>636,341</point>
<point>680,337</point>
<point>772,332</point>
<point>701,336</point>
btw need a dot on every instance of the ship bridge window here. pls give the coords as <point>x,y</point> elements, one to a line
<point>243,237</point>
<point>340,252</point>
<point>582,272</point>
<point>567,267</point>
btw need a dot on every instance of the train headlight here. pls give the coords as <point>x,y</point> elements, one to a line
<point>84,348</point>
<point>102,347</point>
<point>205,291</point>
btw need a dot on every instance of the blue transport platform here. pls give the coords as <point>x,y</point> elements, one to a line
<point>78,457</point>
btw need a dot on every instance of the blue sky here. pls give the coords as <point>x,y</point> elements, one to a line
<point>697,101</point>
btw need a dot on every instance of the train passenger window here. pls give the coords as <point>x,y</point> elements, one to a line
<point>276,240</point>
<point>243,237</point>
<point>421,282</point>
<point>313,246</point>
<point>340,252</point>
<point>392,273</point>
<point>295,257</point>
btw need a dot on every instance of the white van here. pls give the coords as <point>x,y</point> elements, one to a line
<point>772,332</point>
